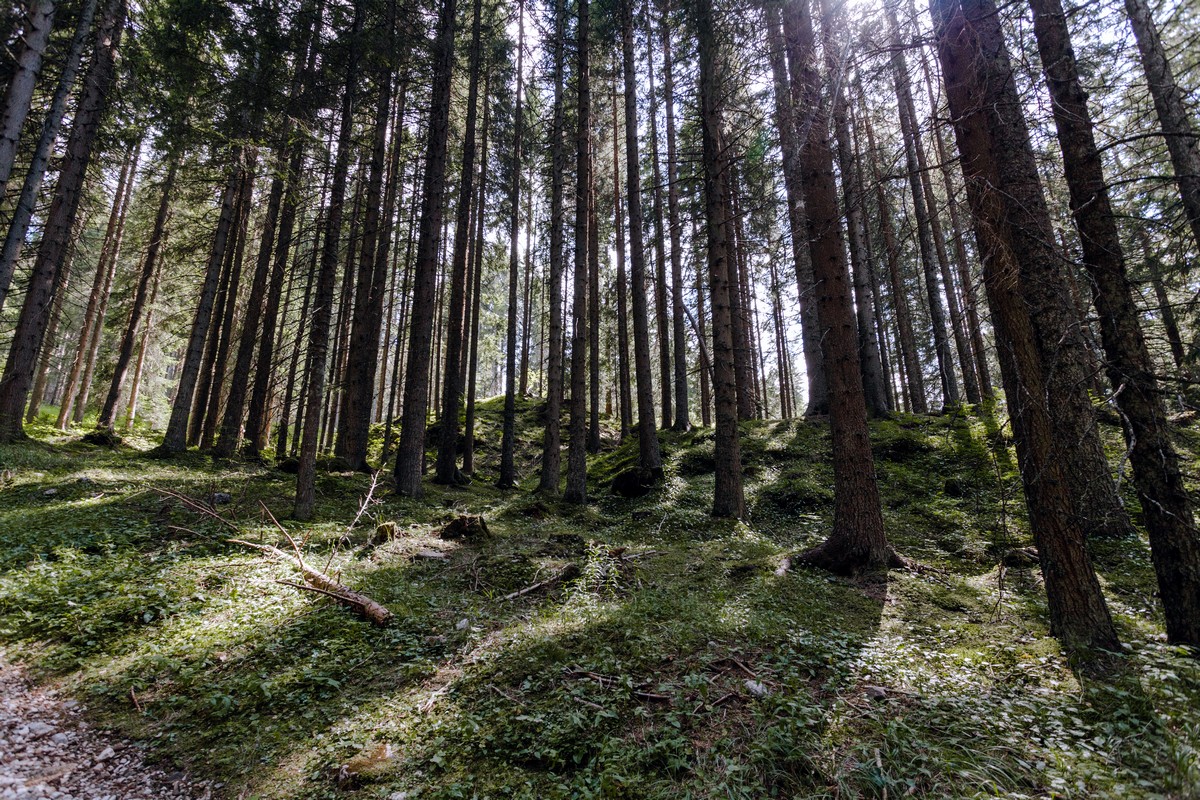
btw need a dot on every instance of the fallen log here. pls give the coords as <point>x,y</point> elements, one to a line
<point>321,583</point>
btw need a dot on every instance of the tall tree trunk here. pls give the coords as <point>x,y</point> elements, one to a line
<point>848,161</point>
<point>675,228</point>
<point>56,235</point>
<point>176,437</point>
<point>961,262</point>
<point>410,454</point>
<point>1183,143</point>
<point>477,292</point>
<point>49,342</point>
<point>593,436</point>
<point>93,317</point>
<point>649,455</point>
<point>624,379</point>
<point>576,489</point>
<point>27,65</point>
<point>552,439</point>
<point>915,384</point>
<point>1174,538</point>
<point>362,355</point>
<point>661,317</point>
<point>212,413</point>
<point>997,159</point>
<point>18,225</point>
<point>857,541</point>
<point>706,365</point>
<point>743,353</point>
<point>914,155</point>
<point>508,471</point>
<point>322,304</point>
<point>139,365</point>
<point>728,498</point>
<point>150,266</point>
<point>446,471</point>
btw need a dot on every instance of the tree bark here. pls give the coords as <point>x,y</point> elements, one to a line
<point>576,489</point>
<point>508,472</point>
<point>997,159</point>
<point>93,317</point>
<point>661,317</point>
<point>1170,521</point>
<point>18,225</point>
<point>552,439</point>
<point>39,20</point>
<point>410,454</point>
<point>624,379</point>
<point>56,236</point>
<point>728,497</point>
<point>649,455</point>
<point>675,228</point>
<point>1183,143</point>
<point>915,157</point>
<point>857,541</point>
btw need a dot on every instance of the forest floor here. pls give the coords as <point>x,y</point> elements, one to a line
<point>676,664</point>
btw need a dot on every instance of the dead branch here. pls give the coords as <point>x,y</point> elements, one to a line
<point>567,573</point>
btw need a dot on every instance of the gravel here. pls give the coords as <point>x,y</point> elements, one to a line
<point>49,752</point>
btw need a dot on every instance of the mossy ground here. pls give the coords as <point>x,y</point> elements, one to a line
<point>629,681</point>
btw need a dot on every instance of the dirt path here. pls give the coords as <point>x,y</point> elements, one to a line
<point>49,752</point>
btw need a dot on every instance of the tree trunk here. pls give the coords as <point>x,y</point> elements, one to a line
<point>93,318</point>
<point>176,437</point>
<point>138,367</point>
<point>150,261</point>
<point>728,498</point>
<point>18,225</point>
<point>326,279</point>
<point>857,541</point>
<point>915,384</point>
<point>576,489</point>
<point>362,354</point>
<point>56,236</point>
<point>914,156</point>
<point>997,159</point>
<point>675,227</point>
<point>27,65</point>
<point>508,471</point>
<point>848,160</point>
<point>1165,309</point>
<point>662,322</point>
<point>212,411</point>
<point>791,139</point>
<point>1183,143</point>
<point>49,342</point>
<point>552,439</point>
<point>593,436</point>
<point>624,379</point>
<point>476,292</point>
<point>1174,537</point>
<point>410,454</point>
<point>649,455</point>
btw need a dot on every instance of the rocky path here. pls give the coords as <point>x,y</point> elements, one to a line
<point>49,752</point>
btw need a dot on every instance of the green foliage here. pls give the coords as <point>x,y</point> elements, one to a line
<point>629,681</point>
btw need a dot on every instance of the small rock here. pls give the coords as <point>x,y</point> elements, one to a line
<point>462,624</point>
<point>757,688</point>
<point>876,692</point>
<point>221,498</point>
<point>398,796</point>
<point>106,754</point>
<point>50,492</point>
<point>39,729</point>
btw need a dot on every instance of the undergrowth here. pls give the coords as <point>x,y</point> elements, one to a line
<point>676,665</point>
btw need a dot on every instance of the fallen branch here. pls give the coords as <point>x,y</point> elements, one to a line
<point>567,573</point>
<point>323,584</point>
